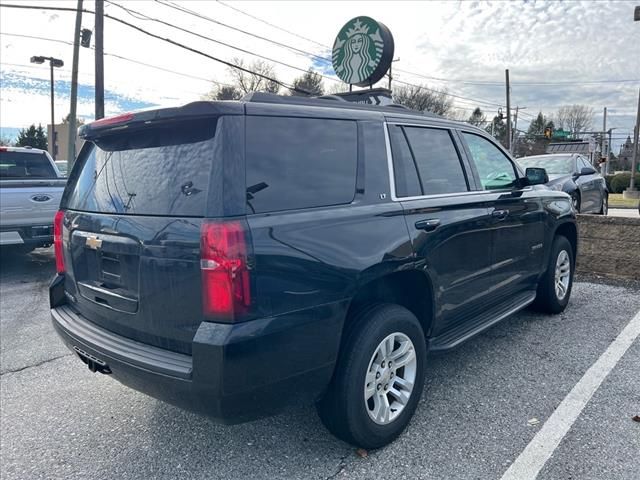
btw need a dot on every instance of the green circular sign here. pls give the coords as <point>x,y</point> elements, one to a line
<point>362,52</point>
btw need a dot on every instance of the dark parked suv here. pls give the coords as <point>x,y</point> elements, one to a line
<point>235,257</point>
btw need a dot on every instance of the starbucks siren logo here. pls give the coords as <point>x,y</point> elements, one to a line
<point>362,51</point>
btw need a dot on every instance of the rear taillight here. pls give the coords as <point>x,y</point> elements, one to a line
<point>225,276</point>
<point>57,240</point>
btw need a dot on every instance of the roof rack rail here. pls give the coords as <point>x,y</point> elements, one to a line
<point>332,101</point>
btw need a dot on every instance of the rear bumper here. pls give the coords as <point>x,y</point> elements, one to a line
<point>32,235</point>
<point>236,372</point>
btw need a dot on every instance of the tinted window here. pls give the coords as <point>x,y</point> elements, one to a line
<point>300,162</point>
<point>162,170</point>
<point>435,155</point>
<point>495,169</point>
<point>404,169</point>
<point>24,165</point>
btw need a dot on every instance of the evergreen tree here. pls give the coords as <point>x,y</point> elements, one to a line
<point>498,128</point>
<point>477,118</point>
<point>32,137</point>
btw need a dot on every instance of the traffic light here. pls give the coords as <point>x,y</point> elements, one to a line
<point>85,37</point>
<point>548,133</point>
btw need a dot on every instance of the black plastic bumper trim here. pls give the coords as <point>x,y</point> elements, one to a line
<point>135,353</point>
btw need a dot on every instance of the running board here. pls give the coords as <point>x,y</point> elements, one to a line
<point>463,332</point>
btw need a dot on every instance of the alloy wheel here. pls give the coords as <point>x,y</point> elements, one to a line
<point>390,378</point>
<point>563,274</point>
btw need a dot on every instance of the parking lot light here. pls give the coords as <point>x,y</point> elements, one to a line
<point>57,63</point>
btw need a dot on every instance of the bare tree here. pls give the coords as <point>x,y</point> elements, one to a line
<point>263,78</point>
<point>223,92</point>
<point>423,99</point>
<point>310,82</point>
<point>337,87</point>
<point>574,118</point>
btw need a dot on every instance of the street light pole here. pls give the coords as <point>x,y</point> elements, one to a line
<point>53,62</point>
<point>52,140</point>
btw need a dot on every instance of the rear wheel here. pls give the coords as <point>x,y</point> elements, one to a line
<point>554,288</point>
<point>378,379</point>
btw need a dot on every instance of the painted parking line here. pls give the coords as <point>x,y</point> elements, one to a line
<point>535,455</point>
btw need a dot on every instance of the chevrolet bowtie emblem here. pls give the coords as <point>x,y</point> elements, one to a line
<point>93,242</point>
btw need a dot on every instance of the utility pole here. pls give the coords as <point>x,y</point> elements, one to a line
<point>74,87</point>
<point>631,192</point>
<point>514,140</point>
<point>99,28</point>
<point>506,72</point>
<point>604,149</point>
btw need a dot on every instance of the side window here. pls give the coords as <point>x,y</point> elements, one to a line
<point>404,167</point>
<point>436,157</point>
<point>300,162</point>
<point>425,162</point>
<point>495,169</point>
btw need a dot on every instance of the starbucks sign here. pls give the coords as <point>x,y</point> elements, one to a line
<point>362,52</point>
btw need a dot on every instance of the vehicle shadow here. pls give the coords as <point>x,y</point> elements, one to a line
<point>291,445</point>
<point>36,266</point>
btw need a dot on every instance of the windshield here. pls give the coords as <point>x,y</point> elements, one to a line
<point>554,165</point>
<point>25,165</point>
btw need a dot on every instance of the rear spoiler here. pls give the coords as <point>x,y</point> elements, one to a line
<point>192,110</point>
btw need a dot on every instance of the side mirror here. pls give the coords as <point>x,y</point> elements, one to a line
<point>536,176</point>
<point>587,171</point>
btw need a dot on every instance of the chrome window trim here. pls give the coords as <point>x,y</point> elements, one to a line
<point>392,178</point>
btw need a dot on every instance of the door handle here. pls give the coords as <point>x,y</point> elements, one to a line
<point>428,225</point>
<point>500,214</point>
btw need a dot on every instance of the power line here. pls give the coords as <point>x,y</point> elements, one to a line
<point>303,52</point>
<point>156,67</point>
<point>143,16</point>
<point>271,24</point>
<point>85,74</point>
<point>167,40</point>
<point>298,51</point>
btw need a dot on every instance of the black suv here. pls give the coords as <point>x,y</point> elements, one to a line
<point>235,257</point>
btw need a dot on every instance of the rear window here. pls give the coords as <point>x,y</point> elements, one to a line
<point>161,170</point>
<point>25,165</point>
<point>300,162</point>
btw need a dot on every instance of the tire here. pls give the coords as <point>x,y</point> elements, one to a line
<point>604,208</point>
<point>576,201</point>
<point>548,298</point>
<point>344,409</point>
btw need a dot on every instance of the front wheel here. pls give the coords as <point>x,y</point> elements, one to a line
<point>378,379</point>
<point>554,288</point>
<point>575,201</point>
<point>604,209</point>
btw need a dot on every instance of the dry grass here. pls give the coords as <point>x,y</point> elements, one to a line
<point>616,201</point>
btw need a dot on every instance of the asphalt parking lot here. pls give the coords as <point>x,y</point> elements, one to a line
<point>482,405</point>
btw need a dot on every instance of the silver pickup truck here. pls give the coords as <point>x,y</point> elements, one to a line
<point>30,189</point>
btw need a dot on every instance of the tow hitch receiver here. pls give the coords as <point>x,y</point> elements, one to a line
<point>94,364</point>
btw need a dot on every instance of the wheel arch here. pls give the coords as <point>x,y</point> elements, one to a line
<point>412,289</point>
<point>569,230</point>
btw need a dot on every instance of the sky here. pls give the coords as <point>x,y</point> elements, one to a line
<point>558,53</point>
